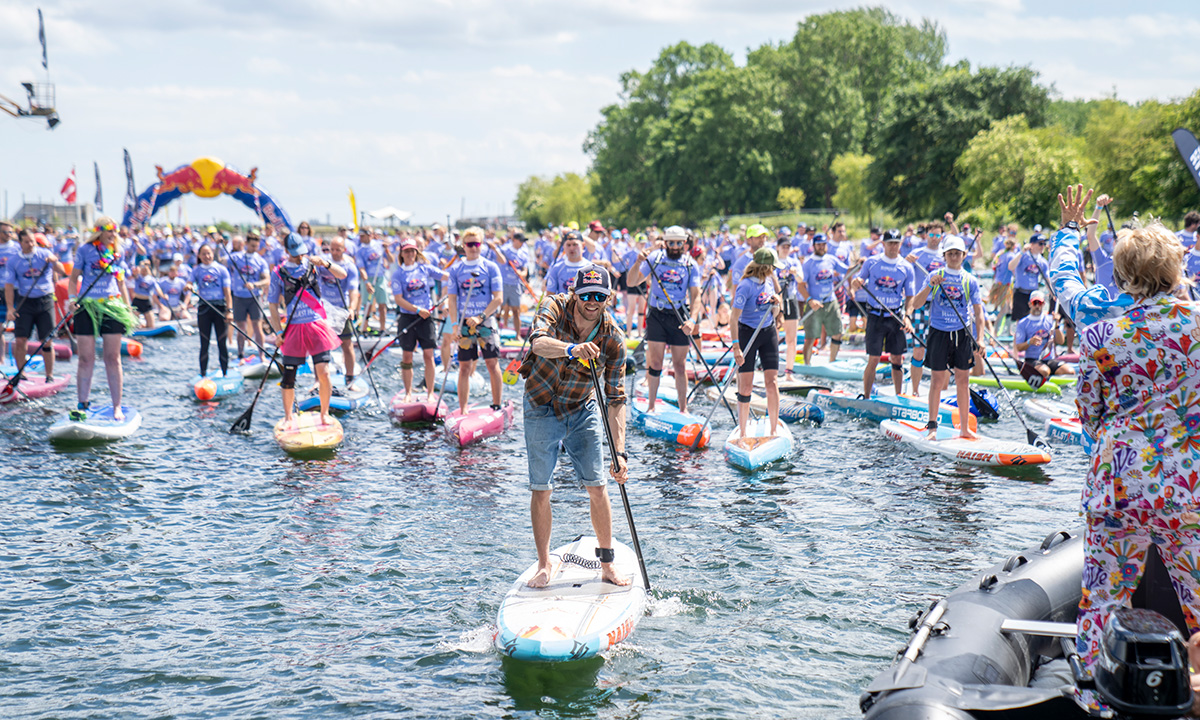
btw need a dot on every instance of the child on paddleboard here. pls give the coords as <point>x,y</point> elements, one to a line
<point>306,335</point>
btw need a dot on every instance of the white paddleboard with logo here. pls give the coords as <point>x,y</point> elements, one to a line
<point>577,615</point>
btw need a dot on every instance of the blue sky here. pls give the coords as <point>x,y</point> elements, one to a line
<point>422,104</point>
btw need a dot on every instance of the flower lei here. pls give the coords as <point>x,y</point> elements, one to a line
<point>108,257</point>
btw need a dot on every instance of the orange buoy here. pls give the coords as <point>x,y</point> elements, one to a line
<point>135,348</point>
<point>206,389</point>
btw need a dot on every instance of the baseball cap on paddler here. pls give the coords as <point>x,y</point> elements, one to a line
<point>592,278</point>
<point>954,242</point>
<point>757,229</point>
<point>767,256</point>
<point>892,235</point>
<point>296,245</point>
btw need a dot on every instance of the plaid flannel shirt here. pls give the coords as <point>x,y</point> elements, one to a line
<point>563,382</point>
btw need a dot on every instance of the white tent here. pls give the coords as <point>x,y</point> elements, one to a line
<point>390,213</point>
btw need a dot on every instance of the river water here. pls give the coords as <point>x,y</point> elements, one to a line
<point>190,573</point>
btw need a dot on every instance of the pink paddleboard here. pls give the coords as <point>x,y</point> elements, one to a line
<point>34,387</point>
<point>416,411</point>
<point>478,423</point>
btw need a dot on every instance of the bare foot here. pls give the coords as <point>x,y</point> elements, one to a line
<point>931,435</point>
<point>408,397</point>
<point>609,574</point>
<point>326,420</point>
<point>540,579</point>
<point>967,434</point>
<point>118,416</point>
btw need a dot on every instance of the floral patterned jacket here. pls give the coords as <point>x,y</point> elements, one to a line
<point>1139,398</point>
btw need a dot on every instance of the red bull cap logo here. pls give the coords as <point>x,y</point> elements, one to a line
<point>593,277</point>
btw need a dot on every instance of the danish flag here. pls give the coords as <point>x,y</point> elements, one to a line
<point>68,188</point>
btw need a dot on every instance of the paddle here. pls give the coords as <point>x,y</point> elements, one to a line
<point>415,318</point>
<point>691,339</point>
<point>16,378</point>
<point>242,424</point>
<point>981,404</point>
<point>510,372</point>
<point>1030,435</point>
<point>261,349</point>
<point>612,449</point>
<point>725,383</point>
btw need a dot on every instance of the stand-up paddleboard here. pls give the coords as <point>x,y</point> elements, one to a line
<point>98,427</point>
<point>168,330</point>
<point>33,387</point>
<point>131,347</point>
<point>849,369</point>
<point>885,404</point>
<point>1066,430</point>
<point>1016,383</point>
<point>417,410</point>
<point>759,447</point>
<point>342,399</point>
<point>667,423</point>
<point>577,615</point>
<point>980,451</point>
<point>790,410</point>
<point>793,387</point>
<point>478,423</point>
<point>254,367</point>
<point>306,433</point>
<point>35,364</point>
<point>1043,410</point>
<point>215,386</point>
<point>476,382</point>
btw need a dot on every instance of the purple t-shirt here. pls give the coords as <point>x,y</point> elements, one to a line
<point>474,284</point>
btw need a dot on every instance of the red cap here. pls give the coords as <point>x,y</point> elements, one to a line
<point>596,226</point>
<point>408,244</point>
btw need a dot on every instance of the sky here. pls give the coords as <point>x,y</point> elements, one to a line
<point>442,107</point>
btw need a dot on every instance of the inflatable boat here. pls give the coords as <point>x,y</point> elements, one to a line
<point>999,646</point>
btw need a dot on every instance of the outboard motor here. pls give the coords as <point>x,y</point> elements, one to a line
<point>1143,667</point>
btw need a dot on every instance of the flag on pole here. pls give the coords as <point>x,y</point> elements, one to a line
<point>68,188</point>
<point>99,196</point>
<point>1189,149</point>
<point>354,211</point>
<point>130,192</point>
<point>42,39</point>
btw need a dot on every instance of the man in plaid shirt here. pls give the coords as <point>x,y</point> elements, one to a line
<point>570,329</point>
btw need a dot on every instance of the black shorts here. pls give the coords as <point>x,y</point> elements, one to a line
<point>413,331</point>
<point>853,309</point>
<point>949,349</point>
<point>1065,317</point>
<point>639,289</point>
<point>1052,364</point>
<point>1020,304</point>
<point>246,308</point>
<point>884,334</point>
<point>322,357</point>
<point>622,285</point>
<point>663,327</point>
<point>791,309</point>
<point>142,305</point>
<point>765,348</point>
<point>38,311</point>
<point>109,325</point>
<point>481,348</point>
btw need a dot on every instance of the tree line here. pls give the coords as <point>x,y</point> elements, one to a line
<point>860,110</point>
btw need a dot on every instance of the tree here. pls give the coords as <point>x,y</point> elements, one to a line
<point>929,124</point>
<point>850,169</point>
<point>1015,172</point>
<point>790,198</point>
<point>545,203</point>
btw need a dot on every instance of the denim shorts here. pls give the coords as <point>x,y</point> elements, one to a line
<point>579,433</point>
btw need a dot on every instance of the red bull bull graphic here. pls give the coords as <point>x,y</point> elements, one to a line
<point>207,177</point>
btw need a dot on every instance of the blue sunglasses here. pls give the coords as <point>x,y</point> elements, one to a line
<point>593,297</point>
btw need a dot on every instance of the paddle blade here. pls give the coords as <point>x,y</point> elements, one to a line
<point>7,394</point>
<point>984,405</point>
<point>1036,441</point>
<point>242,424</point>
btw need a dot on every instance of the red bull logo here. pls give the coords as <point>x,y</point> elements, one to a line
<point>593,277</point>
<point>207,177</point>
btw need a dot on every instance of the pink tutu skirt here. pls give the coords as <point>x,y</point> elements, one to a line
<point>306,339</point>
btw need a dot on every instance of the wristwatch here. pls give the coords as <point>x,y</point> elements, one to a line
<point>1072,225</point>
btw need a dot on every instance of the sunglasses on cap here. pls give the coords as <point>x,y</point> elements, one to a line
<point>593,297</point>
<point>471,244</point>
<point>106,227</point>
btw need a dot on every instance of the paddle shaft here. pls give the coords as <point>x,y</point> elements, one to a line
<point>253,293</point>
<point>357,341</point>
<point>602,401</point>
<point>402,331</point>
<point>243,421</point>
<point>1029,434</point>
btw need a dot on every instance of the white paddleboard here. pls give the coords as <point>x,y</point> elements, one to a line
<point>576,615</point>
<point>98,427</point>
<point>979,451</point>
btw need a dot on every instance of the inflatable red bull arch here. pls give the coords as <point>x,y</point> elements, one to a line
<point>207,177</point>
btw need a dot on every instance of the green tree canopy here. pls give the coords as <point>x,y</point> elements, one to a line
<point>543,202</point>
<point>850,169</point>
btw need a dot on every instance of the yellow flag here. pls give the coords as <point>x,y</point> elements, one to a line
<point>354,210</point>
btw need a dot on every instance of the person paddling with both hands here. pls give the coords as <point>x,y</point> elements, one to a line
<point>28,279</point>
<point>559,408</point>
<point>103,309</point>
<point>307,334</point>
<point>413,282</point>
<point>757,295</point>
<point>476,292</point>
<point>951,343</point>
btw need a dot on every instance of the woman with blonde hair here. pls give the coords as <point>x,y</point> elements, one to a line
<point>756,296</point>
<point>103,309</point>
<point>1139,402</point>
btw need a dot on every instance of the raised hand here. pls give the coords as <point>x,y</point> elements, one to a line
<point>1073,206</point>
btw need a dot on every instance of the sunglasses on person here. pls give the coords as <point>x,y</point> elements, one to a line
<point>935,235</point>
<point>593,297</point>
<point>674,243</point>
<point>106,227</point>
<point>472,244</point>
<point>1037,302</point>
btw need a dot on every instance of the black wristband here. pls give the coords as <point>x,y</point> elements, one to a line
<point>623,455</point>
